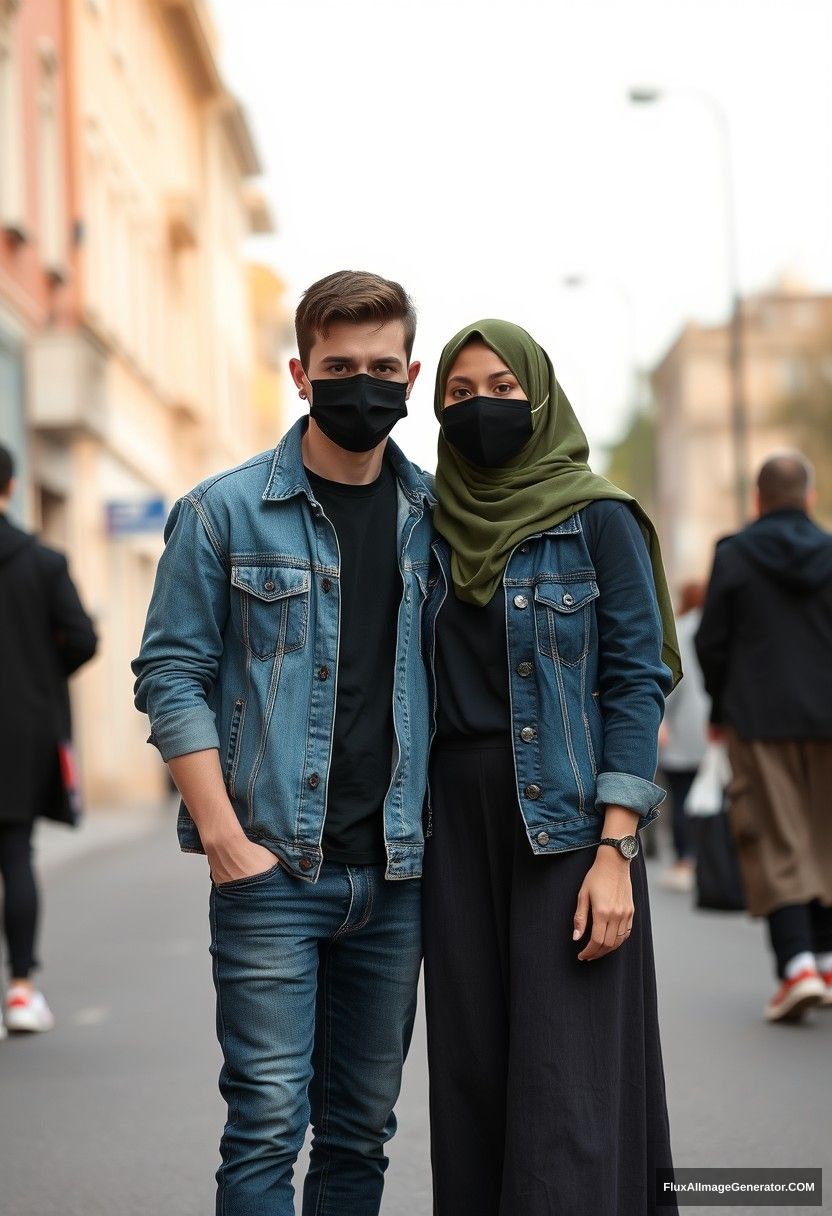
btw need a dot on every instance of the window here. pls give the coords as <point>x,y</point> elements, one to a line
<point>12,191</point>
<point>52,217</point>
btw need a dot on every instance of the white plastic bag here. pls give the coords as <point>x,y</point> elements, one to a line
<point>707,794</point>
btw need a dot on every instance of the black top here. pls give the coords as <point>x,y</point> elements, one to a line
<point>765,637</point>
<point>364,518</point>
<point>472,695</point>
<point>45,635</point>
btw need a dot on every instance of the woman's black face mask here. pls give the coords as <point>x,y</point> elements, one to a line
<point>358,412</point>
<point>488,431</point>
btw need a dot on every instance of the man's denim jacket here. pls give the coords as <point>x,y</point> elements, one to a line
<point>240,653</point>
<point>586,678</point>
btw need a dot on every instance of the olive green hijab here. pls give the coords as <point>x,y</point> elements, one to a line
<point>483,513</point>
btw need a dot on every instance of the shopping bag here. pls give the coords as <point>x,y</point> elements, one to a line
<point>718,879</point>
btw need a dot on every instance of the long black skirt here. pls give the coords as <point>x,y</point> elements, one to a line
<point>547,1090</point>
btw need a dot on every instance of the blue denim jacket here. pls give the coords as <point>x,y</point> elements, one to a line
<point>586,677</point>
<point>240,652</point>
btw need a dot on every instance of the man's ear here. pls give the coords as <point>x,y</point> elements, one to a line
<point>301,379</point>
<point>412,373</point>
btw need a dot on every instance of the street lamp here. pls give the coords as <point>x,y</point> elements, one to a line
<point>647,95</point>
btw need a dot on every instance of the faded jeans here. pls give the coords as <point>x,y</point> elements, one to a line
<point>316,995</point>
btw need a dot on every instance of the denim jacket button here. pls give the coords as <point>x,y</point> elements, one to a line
<point>528,734</point>
<point>568,599</point>
<point>305,863</point>
<point>323,673</point>
<point>520,601</point>
<point>543,838</point>
<point>314,781</point>
<point>525,668</point>
<point>533,792</point>
<point>326,584</point>
<point>268,585</point>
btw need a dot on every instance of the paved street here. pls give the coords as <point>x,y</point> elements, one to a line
<point>117,1110</point>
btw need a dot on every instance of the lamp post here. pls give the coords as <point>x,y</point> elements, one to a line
<point>739,410</point>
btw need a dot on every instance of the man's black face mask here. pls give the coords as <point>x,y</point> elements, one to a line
<point>488,431</point>
<point>358,412</point>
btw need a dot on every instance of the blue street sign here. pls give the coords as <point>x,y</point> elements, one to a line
<point>132,518</point>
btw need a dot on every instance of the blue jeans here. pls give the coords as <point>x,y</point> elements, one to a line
<point>316,995</point>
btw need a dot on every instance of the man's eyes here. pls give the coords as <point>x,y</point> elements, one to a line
<point>383,369</point>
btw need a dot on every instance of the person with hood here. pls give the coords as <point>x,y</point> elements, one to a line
<point>45,635</point>
<point>551,643</point>
<point>765,646</point>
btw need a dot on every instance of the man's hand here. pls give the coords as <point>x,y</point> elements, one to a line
<point>235,856</point>
<point>230,853</point>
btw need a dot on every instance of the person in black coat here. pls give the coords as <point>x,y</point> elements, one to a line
<point>765,646</point>
<point>45,635</point>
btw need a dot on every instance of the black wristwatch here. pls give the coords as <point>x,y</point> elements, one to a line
<point>627,846</point>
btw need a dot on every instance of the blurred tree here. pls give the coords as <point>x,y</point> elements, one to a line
<point>807,413</point>
<point>631,462</point>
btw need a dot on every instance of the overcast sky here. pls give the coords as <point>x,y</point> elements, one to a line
<point>481,152</point>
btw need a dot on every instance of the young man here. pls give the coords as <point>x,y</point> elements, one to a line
<point>281,671</point>
<point>765,645</point>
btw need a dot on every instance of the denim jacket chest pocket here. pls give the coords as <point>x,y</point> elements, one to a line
<point>563,608</point>
<point>270,607</point>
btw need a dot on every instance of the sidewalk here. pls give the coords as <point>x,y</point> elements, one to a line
<point>56,844</point>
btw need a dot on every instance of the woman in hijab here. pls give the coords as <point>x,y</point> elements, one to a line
<point>551,644</point>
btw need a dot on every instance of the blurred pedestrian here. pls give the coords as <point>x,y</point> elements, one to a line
<point>683,737</point>
<point>765,645</point>
<point>282,673</point>
<point>552,644</point>
<point>45,635</point>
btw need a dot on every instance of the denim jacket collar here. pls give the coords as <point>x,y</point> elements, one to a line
<point>288,478</point>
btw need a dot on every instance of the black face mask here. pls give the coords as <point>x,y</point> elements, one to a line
<point>358,412</point>
<point>488,431</point>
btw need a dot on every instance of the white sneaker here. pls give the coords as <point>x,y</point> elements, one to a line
<point>680,877</point>
<point>26,1009</point>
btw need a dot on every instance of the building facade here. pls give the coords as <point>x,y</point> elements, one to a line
<point>138,370</point>
<point>787,377</point>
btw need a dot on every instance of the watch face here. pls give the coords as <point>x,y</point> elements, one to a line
<point>629,846</point>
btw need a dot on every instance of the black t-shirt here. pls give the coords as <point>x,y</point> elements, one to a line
<point>364,518</point>
<point>472,692</point>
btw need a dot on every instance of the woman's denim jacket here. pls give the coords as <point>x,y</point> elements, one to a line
<point>586,677</point>
<point>240,653</point>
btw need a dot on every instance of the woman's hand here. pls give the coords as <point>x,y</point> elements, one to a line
<point>606,893</point>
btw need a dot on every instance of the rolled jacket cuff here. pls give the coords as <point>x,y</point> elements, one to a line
<point>184,731</point>
<point>623,789</point>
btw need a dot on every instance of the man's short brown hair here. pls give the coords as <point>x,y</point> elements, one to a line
<point>354,296</point>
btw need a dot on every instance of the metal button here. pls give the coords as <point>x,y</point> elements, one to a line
<point>314,781</point>
<point>323,673</point>
<point>524,548</point>
<point>520,601</point>
<point>305,863</point>
<point>268,586</point>
<point>568,599</point>
<point>326,584</point>
<point>528,734</point>
<point>524,669</point>
<point>533,792</point>
<point>543,838</point>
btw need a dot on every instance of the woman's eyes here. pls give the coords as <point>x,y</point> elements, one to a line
<point>500,390</point>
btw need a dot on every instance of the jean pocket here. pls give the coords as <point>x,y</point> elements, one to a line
<point>271,605</point>
<point>563,617</point>
<point>249,880</point>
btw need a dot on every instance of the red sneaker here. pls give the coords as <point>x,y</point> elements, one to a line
<point>795,996</point>
<point>826,976</point>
